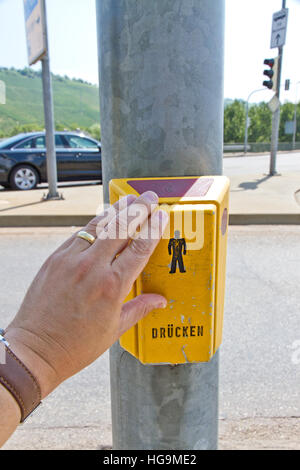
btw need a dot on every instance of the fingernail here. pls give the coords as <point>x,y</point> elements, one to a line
<point>162,304</point>
<point>151,197</point>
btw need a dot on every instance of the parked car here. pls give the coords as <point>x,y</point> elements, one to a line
<point>23,159</point>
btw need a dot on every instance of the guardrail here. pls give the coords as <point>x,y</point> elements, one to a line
<point>235,148</point>
<point>259,147</point>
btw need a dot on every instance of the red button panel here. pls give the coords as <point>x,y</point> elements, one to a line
<point>192,187</point>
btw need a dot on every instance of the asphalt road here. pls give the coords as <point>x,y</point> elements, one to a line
<point>260,164</point>
<point>253,164</point>
<point>259,368</point>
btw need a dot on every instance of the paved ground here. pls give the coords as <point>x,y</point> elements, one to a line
<point>255,197</point>
<point>260,164</point>
<point>260,369</point>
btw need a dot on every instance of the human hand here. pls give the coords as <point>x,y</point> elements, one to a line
<point>74,310</point>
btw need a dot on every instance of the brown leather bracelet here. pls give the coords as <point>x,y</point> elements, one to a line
<point>20,382</point>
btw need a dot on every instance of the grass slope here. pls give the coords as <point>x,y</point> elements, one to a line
<point>75,103</point>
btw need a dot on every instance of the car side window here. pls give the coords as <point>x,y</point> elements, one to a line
<point>59,142</point>
<point>28,144</point>
<point>40,142</point>
<point>80,142</point>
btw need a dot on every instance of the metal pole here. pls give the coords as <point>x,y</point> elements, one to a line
<point>247,115</point>
<point>295,120</point>
<point>276,115</point>
<point>246,128</point>
<point>161,88</point>
<point>49,118</point>
<point>295,127</point>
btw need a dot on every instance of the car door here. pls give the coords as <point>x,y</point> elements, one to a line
<point>88,154</point>
<point>69,165</point>
<point>26,152</point>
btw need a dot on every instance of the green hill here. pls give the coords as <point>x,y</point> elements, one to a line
<point>76,103</point>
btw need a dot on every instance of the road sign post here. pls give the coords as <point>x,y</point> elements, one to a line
<point>161,87</point>
<point>38,50</point>
<point>278,38</point>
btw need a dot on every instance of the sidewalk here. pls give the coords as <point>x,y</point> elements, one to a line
<point>28,209</point>
<point>255,199</point>
<point>265,200</point>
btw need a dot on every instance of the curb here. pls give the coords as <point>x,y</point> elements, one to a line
<point>15,221</point>
<point>265,219</point>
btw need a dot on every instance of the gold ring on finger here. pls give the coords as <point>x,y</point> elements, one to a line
<point>87,237</point>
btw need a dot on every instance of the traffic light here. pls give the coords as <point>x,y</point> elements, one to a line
<point>287,85</point>
<point>271,73</point>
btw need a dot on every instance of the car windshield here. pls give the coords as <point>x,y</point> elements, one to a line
<point>8,142</point>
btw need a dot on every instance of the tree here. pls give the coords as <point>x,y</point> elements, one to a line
<point>261,123</point>
<point>234,122</point>
<point>298,123</point>
<point>287,113</point>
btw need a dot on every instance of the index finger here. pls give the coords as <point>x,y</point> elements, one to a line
<point>134,258</point>
<point>96,225</point>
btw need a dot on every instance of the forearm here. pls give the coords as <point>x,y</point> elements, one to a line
<point>10,410</point>
<point>74,310</point>
<point>10,415</point>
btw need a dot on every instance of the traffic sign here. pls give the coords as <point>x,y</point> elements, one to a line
<point>2,92</point>
<point>289,127</point>
<point>274,104</point>
<point>279,27</point>
<point>287,85</point>
<point>35,30</point>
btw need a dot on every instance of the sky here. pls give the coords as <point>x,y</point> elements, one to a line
<point>73,42</point>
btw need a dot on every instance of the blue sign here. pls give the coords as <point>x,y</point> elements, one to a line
<point>35,30</point>
<point>29,7</point>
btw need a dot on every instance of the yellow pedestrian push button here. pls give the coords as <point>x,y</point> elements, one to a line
<point>188,267</point>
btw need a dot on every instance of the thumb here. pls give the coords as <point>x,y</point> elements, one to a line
<point>136,309</point>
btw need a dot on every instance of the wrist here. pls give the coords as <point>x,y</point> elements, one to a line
<point>10,416</point>
<point>27,348</point>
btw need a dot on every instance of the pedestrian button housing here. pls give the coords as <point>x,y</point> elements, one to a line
<point>188,267</point>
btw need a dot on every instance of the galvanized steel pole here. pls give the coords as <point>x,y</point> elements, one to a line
<point>161,88</point>
<point>276,115</point>
<point>49,117</point>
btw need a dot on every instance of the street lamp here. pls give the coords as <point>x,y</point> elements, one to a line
<point>295,119</point>
<point>247,118</point>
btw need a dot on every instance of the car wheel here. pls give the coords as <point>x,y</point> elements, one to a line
<point>24,178</point>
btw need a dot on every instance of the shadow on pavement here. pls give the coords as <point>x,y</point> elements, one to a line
<point>22,205</point>
<point>251,185</point>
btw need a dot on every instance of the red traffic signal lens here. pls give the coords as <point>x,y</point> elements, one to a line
<point>269,62</point>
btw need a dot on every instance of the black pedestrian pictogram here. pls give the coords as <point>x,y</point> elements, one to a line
<point>178,246</point>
